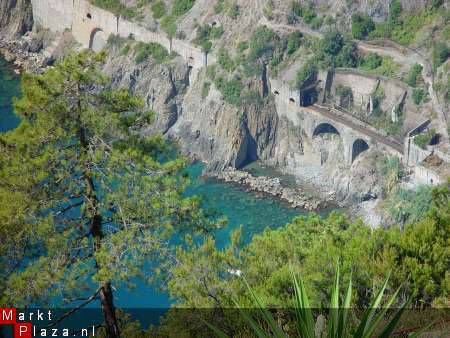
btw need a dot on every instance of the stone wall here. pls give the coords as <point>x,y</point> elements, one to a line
<point>423,175</point>
<point>413,153</point>
<point>363,87</point>
<point>85,19</point>
<point>54,15</point>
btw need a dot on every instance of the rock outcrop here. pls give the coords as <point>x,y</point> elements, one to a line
<point>16,17</point>
<point>272,186</point>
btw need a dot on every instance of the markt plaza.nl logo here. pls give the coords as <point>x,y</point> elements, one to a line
<point>23,324</point>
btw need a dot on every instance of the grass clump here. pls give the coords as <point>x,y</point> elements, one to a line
<point>414,75</point>
<point>205,89</point>
<point>116,7</point>
<point>377,65</point>
<point>418,95</point>
<point>181,7</point>
<point>424,139</point>
<point>362,25</point>
<point>402,26</point>
<point>145,50</point>
<point>159,9</point>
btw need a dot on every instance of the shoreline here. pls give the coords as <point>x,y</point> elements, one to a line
<point>271,186</point>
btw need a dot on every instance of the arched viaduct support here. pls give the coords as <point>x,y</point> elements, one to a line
<point>354,143</point>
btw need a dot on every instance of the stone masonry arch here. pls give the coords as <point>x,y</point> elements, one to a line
<point>97,39</point>
<point>325,128</point>
<point>359,146</point>
<point>328,142</point>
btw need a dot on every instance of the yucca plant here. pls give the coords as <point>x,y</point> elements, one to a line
<point>338,325</point>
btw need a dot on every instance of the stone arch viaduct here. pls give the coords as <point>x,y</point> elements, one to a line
<point>91,26</point>
<point>357,136</point>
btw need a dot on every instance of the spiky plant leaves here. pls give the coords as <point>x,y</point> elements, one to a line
<point>305,319</point>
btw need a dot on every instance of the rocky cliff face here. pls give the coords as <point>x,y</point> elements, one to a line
<point>205,127</point>
<point>16,17</point>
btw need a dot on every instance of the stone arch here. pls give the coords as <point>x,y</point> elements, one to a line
<point>327,141</point>
<point>359,146</point>
<point>97,40</point>
<point>325,128</point>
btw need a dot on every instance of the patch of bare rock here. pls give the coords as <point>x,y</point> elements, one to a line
<point>272,186</point>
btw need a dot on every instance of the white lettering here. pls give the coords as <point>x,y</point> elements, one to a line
<point>7,317</point>
<point>22,329</point>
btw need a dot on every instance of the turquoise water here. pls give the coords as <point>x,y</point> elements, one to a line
<point>253,212</point>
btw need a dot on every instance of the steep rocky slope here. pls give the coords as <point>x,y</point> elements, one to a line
<point>200,110</point>
<point>15,17</point>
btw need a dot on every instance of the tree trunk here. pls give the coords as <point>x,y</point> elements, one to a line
<point>106,295</point>
<point>109,311</point>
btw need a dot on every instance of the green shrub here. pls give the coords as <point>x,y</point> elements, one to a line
<point>231,90</point>
<point>345,95</point>
<point>181,7</point>
<point>387,67</point>
<point>395,10</point>
<point>308,72</point>
<point>216,32</point>
<point>440,54</point>
<point>206,46</point>
<point>371,61</point>
<point>211,72</point>
<point>205,33</point>
<point>205,89</point>
<point>125,50</point>
<point>332,43</point>
<point>159,9</point>
<point>233,11</point>
<point>348,56</point>
<point>362,25</point>
<point>268,10</point>
<point>219,6</point>
<point>155,50</point>
<point>407,206</point>
<point>414,75</point>
<point>225,60</point>
<point>168,24</point>
<point>293,42</point>
<point>418,95</point>
<point>424,139</point>
<point>115,40</point>
<point>116,7</point>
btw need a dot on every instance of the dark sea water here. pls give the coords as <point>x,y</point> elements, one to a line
<point>253,212</point>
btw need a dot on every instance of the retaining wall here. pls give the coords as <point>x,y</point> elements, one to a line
<point>84,19</point>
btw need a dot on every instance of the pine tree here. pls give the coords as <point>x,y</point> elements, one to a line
<point>84,200</point>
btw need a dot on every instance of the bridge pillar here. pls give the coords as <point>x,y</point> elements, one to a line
<point>348,149</point>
